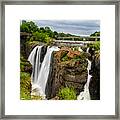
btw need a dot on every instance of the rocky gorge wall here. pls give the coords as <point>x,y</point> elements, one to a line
<point>72,72</point>
<point>68,68</point>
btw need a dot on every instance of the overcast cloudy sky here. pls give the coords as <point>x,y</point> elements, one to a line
<point>81,27</point>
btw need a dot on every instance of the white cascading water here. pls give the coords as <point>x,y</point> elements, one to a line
<point>42,74</point>
<point>85,95</point>
<point>87,50</point>
<point>79,49</point>
<point>34,59</point>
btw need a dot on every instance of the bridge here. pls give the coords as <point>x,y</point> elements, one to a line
<point>71,42</point>
<point>82,38</point>
<point>76,41</point>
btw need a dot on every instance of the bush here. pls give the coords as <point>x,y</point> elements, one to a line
<point>25,86</point>
<point>67,93</point>
<point>25,66</point>
<point>42,37</point>
<point>95,45</point>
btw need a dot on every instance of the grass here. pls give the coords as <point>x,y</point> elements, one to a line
<point>95,45</point>
<point>25,86</point>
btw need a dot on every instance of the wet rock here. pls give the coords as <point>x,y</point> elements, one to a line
<point>43,52</point>
<point>94,85</point>
<point>51,75</point>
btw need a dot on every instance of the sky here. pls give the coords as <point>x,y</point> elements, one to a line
<point>76,27</point>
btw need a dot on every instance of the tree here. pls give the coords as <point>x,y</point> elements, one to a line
<point>42,29</point>
<point>47,28</point>
<point>42,37</point>
<point>28,27</point>
<point>95,34</point>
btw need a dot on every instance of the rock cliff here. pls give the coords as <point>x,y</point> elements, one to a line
<point>68,69</point>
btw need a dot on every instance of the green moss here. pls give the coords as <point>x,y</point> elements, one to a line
<point>67,93</point>
<point>25,86</point>
<point>65,58</point>
<point>24,64</point>
<point>22,59</point>
<point>22,67</point>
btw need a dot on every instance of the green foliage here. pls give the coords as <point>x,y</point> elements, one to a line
<point>76,58</point>
<point>95,46</point>
<point>55,34</point>
<point>95,34</point>
<point>31,44</point>
<point>34,97</point>
<point>64,56</point>
<point>22,59</point>
<point>67,93</point>
<point>42,37</point>
<point>25,86</point>
<point>23,64</point>
<point>28,27</point>
<point>65,35</point>
<point>41,34</point>
<point>22,67</point>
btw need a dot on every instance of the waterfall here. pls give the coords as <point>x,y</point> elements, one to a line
<point>41,76</point>
<point>87,50</point>
<point>79,49</point>
<point>85,95</point>
<point>44,72</point>
<point>34,59</point>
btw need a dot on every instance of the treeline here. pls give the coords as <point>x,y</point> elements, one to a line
<point>95,34</point>
<point>45,34</point>
<point>42,34</point>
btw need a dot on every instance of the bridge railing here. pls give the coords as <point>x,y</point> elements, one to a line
<point>82,38</point>
<point>72,43</point>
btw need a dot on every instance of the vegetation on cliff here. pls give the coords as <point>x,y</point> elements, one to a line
<point>67,93</point>
<point>25,86</point>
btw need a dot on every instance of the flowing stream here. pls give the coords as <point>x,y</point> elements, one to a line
<point>40,70</point>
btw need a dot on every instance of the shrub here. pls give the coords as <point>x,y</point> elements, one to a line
<point>25,86</point>
<point>95,45</point>
<point>67,93</point>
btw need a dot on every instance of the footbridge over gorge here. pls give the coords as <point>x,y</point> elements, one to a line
<point>71,41</point>
<point>68,41</point>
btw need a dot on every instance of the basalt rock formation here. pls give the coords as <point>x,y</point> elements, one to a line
<point>68,69</point>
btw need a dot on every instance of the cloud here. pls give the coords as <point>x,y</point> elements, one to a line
<point>78,27</point>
